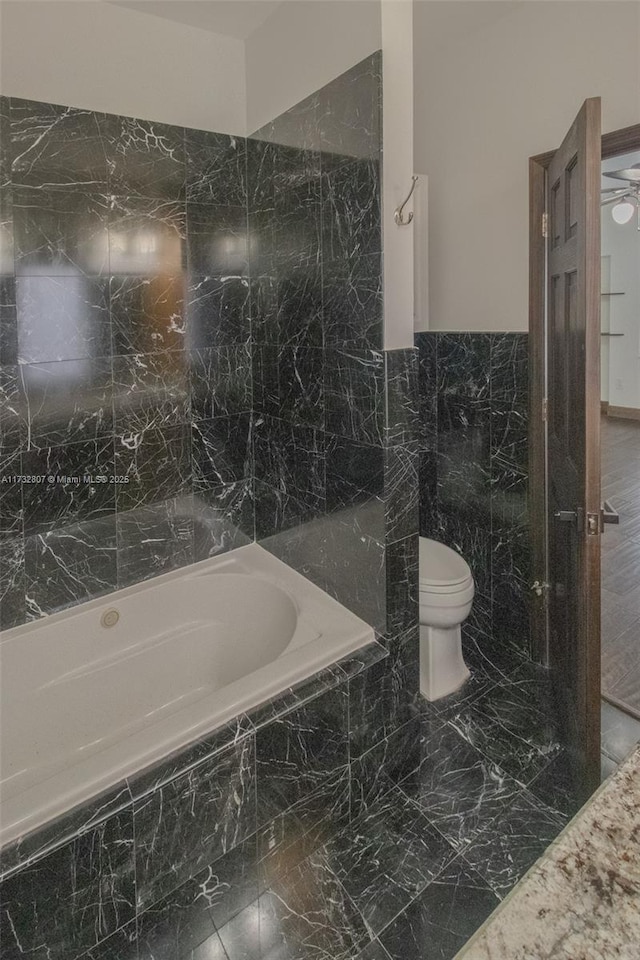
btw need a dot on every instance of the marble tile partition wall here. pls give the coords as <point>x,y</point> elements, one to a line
<point>125,352</point>
<point>336,419</point>
<point>473,472</point>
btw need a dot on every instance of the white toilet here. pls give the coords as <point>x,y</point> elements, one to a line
<point>446,595</point>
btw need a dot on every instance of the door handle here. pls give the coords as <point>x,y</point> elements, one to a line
<point>609,515</point>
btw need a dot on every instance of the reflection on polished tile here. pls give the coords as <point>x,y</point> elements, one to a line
<point>146,236</point>
<point>60,232</point>
<point>307,916</point>
<point>217,240</point>
<point>147,313</point>
<point>62,318</point>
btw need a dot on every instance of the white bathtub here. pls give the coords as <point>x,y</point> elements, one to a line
<point>84,705</point>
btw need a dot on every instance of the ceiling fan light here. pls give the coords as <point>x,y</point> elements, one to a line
<point>623,211</point>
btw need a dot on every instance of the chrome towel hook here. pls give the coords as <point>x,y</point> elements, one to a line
<point>398,215</point>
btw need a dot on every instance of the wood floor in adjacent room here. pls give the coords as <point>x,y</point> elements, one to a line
<point>621,564</point>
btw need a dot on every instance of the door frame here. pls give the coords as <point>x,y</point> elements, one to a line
<point>620,141</point>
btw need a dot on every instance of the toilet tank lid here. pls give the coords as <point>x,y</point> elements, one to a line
<point>440,565</point>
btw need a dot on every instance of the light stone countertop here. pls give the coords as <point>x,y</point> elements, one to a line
<point>581,900</point>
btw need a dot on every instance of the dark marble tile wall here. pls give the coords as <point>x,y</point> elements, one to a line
<point>124,351</point>
<point>474,472</point>
<point>319,367</point>
<point>336,416</point>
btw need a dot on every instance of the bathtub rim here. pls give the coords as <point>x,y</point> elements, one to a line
<point>180,573</point>
<point>35,843</point>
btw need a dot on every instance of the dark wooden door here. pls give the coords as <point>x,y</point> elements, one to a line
<point>573,438</point>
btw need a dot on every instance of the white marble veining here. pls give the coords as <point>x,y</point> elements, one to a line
<point>581,901</point>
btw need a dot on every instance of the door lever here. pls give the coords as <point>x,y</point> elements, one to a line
<point>609,515</point>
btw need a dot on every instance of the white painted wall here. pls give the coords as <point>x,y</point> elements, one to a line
<point>303,46</point>
<point>621,247</point>
<point>397,168</point>
<point>496,82</point>
<point>103,57</point>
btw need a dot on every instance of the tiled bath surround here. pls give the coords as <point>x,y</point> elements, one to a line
<point>474,473</point>
<point>125,352</point>
<point>150,332</point>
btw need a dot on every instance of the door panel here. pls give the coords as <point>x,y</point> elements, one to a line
<point>573,439</point>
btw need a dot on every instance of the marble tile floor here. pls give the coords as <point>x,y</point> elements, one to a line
<point>414,875</point>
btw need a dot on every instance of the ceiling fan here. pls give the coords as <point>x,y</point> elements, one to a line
<point>625,200</point>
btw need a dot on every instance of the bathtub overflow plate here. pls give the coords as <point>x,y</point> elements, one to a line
<point>109,618</point>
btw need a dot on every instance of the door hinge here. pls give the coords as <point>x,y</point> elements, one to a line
<point>545,408</point>
<point>545,225</point>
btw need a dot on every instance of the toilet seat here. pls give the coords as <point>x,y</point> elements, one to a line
<point>442,570</point>
<point>430,590</point>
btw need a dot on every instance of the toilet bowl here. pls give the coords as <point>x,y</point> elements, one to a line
<point>446,595</point>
